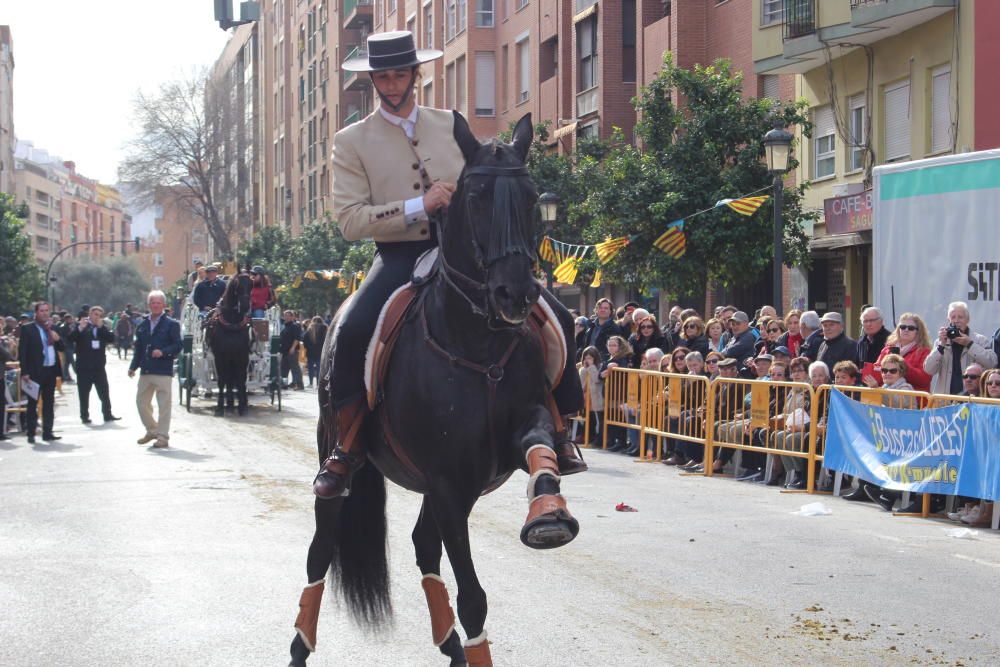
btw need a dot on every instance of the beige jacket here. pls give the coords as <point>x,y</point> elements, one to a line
<point>938,364</point>
<point>375,170</point>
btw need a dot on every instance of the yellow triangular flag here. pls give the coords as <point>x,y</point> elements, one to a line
<point>607,250</point>
<point>597,279</point>
<point>566,272</point>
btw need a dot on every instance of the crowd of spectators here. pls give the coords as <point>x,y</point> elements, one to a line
<point>801,347</point>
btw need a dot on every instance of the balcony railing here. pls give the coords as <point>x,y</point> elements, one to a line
<point>351,5</point>
<point>800,18</point>
<point>859,3</point>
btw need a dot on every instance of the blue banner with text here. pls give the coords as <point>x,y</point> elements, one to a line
<point>950,450</point>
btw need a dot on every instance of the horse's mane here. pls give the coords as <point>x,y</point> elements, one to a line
<point>231,294</point>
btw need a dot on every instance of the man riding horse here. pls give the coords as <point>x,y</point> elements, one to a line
<point>388,190</point>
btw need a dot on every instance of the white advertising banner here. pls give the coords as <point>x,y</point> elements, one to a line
<point>937,239</point>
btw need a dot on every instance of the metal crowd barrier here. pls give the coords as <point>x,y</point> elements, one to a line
<point>778,419</point>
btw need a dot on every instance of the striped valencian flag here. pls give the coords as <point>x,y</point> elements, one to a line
<point>566,272</point>
<point>607,250</point>
<point>673,241</point>
<point>546,251</point>
<point>744,205</point>
<point>596,282</point>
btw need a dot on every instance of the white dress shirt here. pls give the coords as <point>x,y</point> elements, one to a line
<point>413,208</point>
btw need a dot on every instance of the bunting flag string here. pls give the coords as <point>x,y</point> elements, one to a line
<point>567,256</point>
<point>345,281</point>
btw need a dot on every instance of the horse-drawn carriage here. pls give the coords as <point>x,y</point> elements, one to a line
<point>196,365</point>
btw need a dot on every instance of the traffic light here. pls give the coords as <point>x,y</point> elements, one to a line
<point>224,13</point>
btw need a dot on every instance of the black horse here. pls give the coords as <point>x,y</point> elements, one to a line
<point>229,340</point>
<point>464,407</point>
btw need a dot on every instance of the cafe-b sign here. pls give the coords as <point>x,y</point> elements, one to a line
<point>852,213</point>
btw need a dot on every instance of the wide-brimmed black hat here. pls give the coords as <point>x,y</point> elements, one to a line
<point>390,50</point>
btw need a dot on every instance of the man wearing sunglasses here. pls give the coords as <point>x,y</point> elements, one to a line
<point>970,380</point>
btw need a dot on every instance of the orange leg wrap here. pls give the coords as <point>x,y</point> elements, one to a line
<point>308,618</point>
<point>479,655</point>
<point>442,615</point>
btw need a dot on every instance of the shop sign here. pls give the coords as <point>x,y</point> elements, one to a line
<point>849,214</point>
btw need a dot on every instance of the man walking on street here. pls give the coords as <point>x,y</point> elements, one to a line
<point>38,348</point>
<point>157,343</point>
<point>64,324</point>
<point>291,335</point>
<point>91,338</point>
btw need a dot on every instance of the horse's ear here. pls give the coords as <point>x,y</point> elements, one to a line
<point>523,135</point>
<point>463,135</point>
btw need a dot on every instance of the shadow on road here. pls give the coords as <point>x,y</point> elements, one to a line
<point>181,454</point>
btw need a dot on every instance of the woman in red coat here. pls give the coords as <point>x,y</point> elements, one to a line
<point>911,341</point>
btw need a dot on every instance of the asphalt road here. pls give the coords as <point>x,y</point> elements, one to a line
<point>112,553</point>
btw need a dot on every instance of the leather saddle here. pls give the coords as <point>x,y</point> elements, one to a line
<point>542,321</point>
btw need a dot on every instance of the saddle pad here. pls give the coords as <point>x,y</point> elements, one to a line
<point>542,321</point>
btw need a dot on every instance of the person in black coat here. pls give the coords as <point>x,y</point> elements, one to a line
<point>313,342</point>
<point>647,336</point>
<point>603,327</point>
<point>873,338</point>
<point>38,351</point>
<point>208,292</point>
<point>836,345</point>
<point>91,338</point>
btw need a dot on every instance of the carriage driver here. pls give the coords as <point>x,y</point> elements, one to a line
<point>384,189</point>
<point>208,292</point>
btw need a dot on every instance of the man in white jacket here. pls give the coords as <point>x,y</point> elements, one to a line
<point>957,347</point>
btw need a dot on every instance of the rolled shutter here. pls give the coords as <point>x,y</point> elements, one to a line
<point>897,121</point>
<point>941,109</point>
<point>485,83</point>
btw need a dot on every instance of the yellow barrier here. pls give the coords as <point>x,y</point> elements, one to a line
<point>770,418</point>
<point>622,397</point>
<point>677,409</point>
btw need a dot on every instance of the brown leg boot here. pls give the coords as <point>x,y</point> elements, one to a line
<point>333,479</point>
<point>308,618</point>
<point>549,523</point>
<point>442,615</point>
<point>477,652</point>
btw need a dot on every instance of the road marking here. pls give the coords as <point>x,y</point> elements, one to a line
<point>977,560</point>
<point>55,455</point>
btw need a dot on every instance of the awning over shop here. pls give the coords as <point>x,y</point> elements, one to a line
<point>565,130</point>
<point>835,241</point>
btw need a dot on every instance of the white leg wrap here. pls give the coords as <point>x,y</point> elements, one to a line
<point>475,641</point>
<point>532,448</point>
<point>431,575</point>
<point>534,478</point>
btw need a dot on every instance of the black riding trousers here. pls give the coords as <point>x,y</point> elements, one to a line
<point>393,268</point>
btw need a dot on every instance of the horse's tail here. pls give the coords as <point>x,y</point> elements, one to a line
<point>359,561</point>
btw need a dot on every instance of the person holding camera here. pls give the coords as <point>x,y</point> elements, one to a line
<point>957,347</point>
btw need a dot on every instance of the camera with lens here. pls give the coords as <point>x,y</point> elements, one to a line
<point>953,332</point>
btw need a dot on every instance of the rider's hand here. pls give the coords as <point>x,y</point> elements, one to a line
<point>156,354</point>
<point>131,373</point>
<point>438,196</point>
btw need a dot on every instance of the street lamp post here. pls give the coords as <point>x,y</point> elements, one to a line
<point>778,146</point>
<point>548,206</point>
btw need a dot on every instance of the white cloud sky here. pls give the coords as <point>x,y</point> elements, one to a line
<point>78,64</point>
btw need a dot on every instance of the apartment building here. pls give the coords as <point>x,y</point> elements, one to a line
<point>178,239</point>
<point>887,81</point>
<point>234,133</point>
<point>37,184</point>
<point>7,139</point>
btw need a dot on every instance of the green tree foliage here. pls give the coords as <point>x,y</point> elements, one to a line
<point>692,156</point>
<point>110,283</point>
<point>320,247</point>
<point>22,282</point>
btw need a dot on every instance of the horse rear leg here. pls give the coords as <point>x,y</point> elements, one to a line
<point>451,513</point>
<point>321,552</point>
<point>427,543</point>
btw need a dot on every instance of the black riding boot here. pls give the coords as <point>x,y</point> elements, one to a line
<point>334,477</point>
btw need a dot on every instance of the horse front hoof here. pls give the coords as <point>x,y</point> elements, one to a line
<point>299,653</point>
<point>549,523</point>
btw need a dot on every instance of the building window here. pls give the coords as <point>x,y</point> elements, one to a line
<point>484,13</point>
<point>897,121</point>
<point>523,70</point>
<point>824,139</point>
<point>449,27</point>
<point>428,93</point>
<point>628,41</point>
<point>157,282</point>
<point>859,133</point>
<point>504,77</point>
<point>411,25</point>
<point>770,87</point>
<point>772,12</point>
<point>486,66</point>
<point>157,259</point>
<point>392,6</point>
<point>463,6</point>
<point>460,87</point>
<point>521,4</point>
<point>429,26</point>
<point>548,59</point>
<point>941,109</point>
<point>449,86</point>
<point>586,39</point>
<point>588,131</point>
